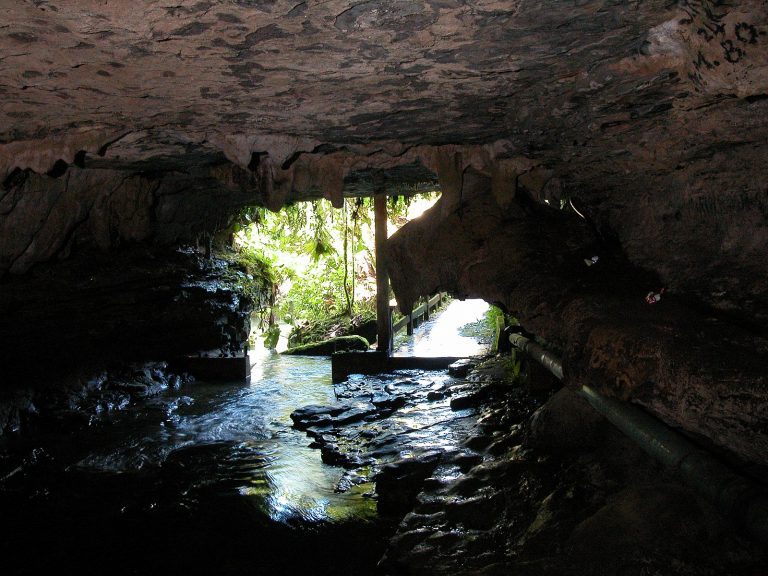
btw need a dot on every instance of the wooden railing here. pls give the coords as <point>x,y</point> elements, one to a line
<point>418,315</point>
<point>345,363</point>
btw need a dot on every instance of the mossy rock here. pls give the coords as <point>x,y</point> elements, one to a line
<point>328,347</point>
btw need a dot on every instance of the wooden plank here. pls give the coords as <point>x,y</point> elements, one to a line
<point>399,325</point>
<point>421,311</point>
<point>418,311</point>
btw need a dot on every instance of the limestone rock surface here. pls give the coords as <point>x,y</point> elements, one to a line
<point>152,122</point>
<point>688,366</point>
<point>649,118</point>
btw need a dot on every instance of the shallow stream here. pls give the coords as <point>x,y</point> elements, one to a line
<point>213,478</point>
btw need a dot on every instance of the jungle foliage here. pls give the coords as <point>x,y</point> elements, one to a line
<point>321,263</point>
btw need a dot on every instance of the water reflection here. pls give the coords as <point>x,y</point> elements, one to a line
<point>209,441</point>
<point>239,438</point>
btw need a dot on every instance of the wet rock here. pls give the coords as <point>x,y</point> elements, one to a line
<point>333,455</point>
<point>477,442</point>
<point>439,387</point>
<point>389,402</point>
<point>519,510</point>
<point>403,384</point>
<point>471,396</point>
<point>500,368</point>
<point>379,406</point>
<point>140,381</point>
<point>643,528</point>
<point>554,519</point>
<point>109,401</point>
<point>504,443</point>
<point>465,460</point>
<point>398,483</point>
<point>565,422</point>
<point>357,414</point>
<point>478,512</point>
<point>82,399</point>
<point>460,368</point>
<point>385,447</point>
<point>13,408</point>
<point>17,468</point>
<point>491,420</point>
<point>315,415</point>
<point>350,479</point>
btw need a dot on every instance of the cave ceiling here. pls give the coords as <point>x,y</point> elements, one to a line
<point>180,75</point>
<point>173,84</point>
<point>650,116</point>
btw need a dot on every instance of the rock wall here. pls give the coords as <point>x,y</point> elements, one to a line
<point>151,123</point>
<point>51,216</point>
<point>693,369</point>
<point>103,310</point>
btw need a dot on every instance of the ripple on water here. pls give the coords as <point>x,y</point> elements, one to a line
<point>233,439</point>
<point>209,441</point>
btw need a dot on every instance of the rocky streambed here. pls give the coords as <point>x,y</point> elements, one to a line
<point>492,472</point>
<point>393,431</point>
<point>500,474</point>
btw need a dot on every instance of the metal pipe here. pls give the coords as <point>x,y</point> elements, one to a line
<point>538,353</point>
<point>741,500</point>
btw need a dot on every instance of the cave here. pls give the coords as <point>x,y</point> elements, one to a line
<point>599,170</point>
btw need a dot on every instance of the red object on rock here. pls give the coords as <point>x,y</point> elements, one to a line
<point>653,297</point>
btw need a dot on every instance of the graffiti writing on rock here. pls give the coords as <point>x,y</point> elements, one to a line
<point>708,18</point>
<point>746,33</point>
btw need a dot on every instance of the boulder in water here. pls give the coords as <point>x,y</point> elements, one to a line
<point>328,347</point>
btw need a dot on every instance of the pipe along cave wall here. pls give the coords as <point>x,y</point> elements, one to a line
<point>636,132</point>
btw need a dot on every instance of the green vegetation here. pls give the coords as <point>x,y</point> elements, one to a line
<point>328,347</point>
<point>271,336</point>
<point>362,323</point>
<point>513,367</point>
<point>253,275</point>
<point>485,328</point>
<point>319,263</point>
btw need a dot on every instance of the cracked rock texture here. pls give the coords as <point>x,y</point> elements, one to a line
<point>89,313</point>
<point>651,115</point>
<point>153,121</point>
<point>689,367</point>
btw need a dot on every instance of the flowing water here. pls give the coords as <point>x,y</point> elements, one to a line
<point>441,335</point>
<point>205,478</point>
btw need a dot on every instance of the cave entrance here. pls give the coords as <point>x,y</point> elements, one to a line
<point>462,328</point>
<point>319,269</point>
